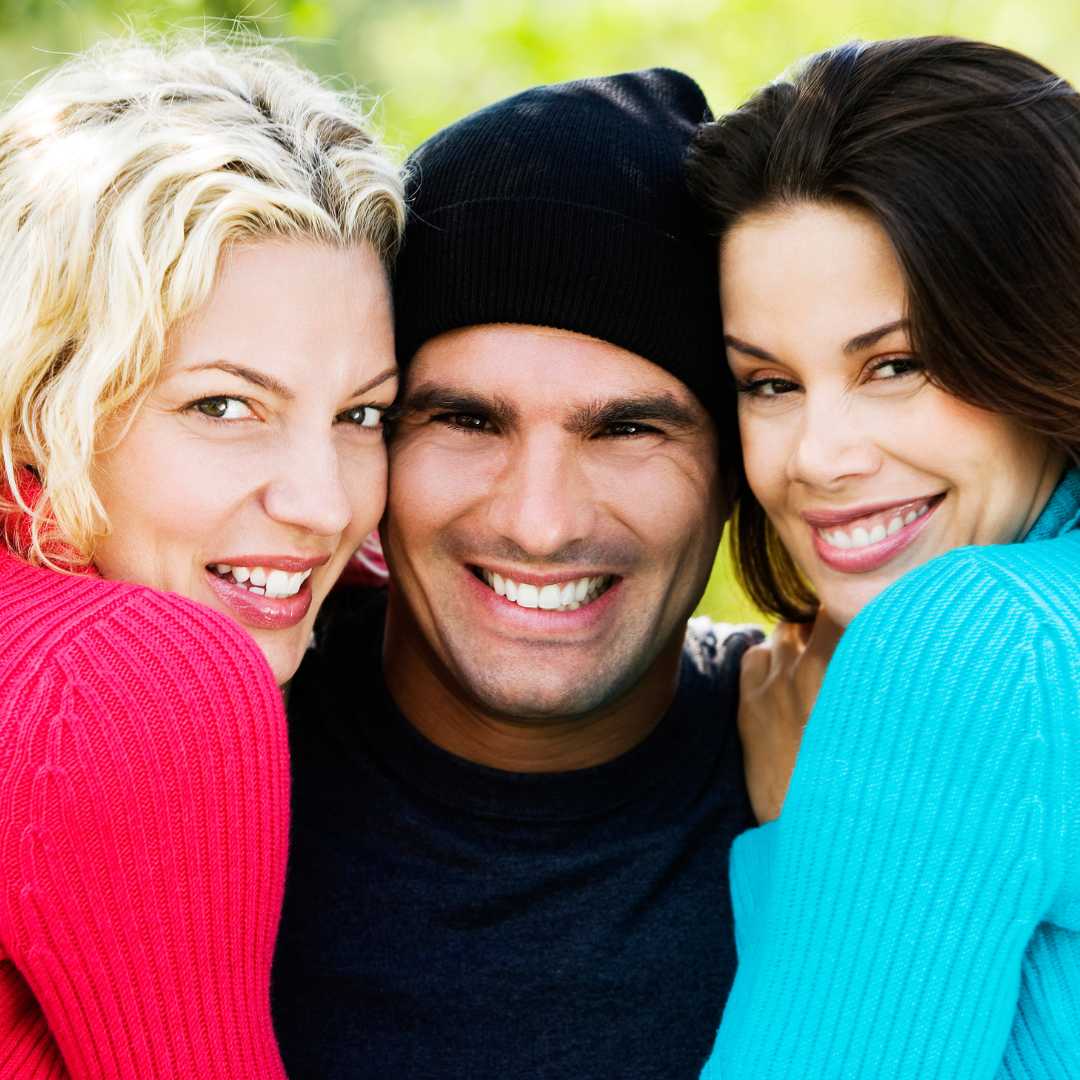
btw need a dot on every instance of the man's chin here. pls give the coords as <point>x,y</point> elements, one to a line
<point>536,697</point>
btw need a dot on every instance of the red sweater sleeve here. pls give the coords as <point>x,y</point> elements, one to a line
<point>144,790</point>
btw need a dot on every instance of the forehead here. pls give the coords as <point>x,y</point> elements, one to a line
<point>524,364</point>
<point>829,269</point>
<point>288,310</point>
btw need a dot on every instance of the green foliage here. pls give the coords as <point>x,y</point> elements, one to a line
<point>431,61</point>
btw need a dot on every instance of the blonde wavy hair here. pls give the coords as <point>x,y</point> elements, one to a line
<point>124,174</point>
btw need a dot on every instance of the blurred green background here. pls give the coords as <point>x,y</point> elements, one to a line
<point>430,61</point>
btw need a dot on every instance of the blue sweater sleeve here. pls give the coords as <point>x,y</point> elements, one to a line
<point>883,919</point>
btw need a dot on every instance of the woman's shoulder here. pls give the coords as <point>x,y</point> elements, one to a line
<point>962,590</point>
<point>50,619</point>
<point>1013,610</point>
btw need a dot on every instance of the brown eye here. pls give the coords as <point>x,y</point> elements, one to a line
<point>463,421</point>
<point>215,408</point>
<point>896,368</point>
<point>766,388</point>
<point>221,407</point>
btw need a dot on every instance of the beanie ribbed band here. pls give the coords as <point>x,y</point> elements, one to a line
<point>566,206</point>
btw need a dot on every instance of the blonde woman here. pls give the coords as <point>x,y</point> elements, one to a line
<point>195,353</point>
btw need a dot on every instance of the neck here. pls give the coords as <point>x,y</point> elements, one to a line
<point>1057,463</point>
<point>436,704</point>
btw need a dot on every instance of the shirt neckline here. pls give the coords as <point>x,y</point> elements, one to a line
<point>674,745</point>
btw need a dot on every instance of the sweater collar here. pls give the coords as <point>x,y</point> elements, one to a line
<point>1062,511</point>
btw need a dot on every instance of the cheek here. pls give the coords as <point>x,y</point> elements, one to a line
<point>432,484</point>
<point>364,476</point>
<point>957,444</point>
<point>670,502</point>
<point>162,498</point>
<point>765,458</point>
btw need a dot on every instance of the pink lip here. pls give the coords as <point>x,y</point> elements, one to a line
<point>824,519</point>
<point>292,564</point>
<point>262,612</point>
<point>864,559</point>
<point>562,625</point>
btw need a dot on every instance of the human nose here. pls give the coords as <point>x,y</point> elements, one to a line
<point>307,489</point>
<point>541,500</point>
<point>834,443</point>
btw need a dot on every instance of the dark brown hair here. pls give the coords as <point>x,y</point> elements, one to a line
<point>968,156</point>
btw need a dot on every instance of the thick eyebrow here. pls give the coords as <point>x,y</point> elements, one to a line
<point>389,373</point>
<point>872,337</point>
<point>664,408</point>
<point>738,345</point>
<point>437,397</point>
<point>856,344</point>
<point>268,382</point>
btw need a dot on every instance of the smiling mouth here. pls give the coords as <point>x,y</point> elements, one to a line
<point>564,596</point>
<point>261,580</point>
<point>874,528</point>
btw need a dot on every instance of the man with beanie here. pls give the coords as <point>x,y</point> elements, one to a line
<point>517,780</point>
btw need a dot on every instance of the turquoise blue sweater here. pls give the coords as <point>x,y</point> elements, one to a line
<point>915,910</point>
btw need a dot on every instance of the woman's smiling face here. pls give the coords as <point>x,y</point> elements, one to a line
<point>256,465</point>
<point>864,467</point>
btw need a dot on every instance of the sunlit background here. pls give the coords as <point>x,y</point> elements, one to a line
<point>428,62</point>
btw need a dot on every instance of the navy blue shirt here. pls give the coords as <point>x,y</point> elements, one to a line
<point>446,920</point>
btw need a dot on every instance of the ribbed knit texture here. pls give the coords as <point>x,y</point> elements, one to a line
<point>144,787</point>
<point>915,910</point>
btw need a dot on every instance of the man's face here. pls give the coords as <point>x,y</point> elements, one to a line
<point>553,515</point>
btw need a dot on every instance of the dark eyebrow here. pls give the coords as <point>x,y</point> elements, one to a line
<point>856,344</point>
<point>436,397</point>
<point>389,373</point>
<point>268,382</point>
<point>750,350</point>
<point>872,337</point>
<point>249,375</point>
<point>664,408</point>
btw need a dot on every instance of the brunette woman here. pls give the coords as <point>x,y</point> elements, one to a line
<point>899,225</point>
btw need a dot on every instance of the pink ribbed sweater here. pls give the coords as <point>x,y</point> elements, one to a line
<point>144,797</point>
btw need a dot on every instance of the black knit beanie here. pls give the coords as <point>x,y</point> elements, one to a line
<point>566,206</point>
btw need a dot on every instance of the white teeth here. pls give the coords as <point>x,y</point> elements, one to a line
<point>860,536</point>
<point>568,596</point>
<point>277,583</point>
<point>264,582</point>
<point>550,597</point>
